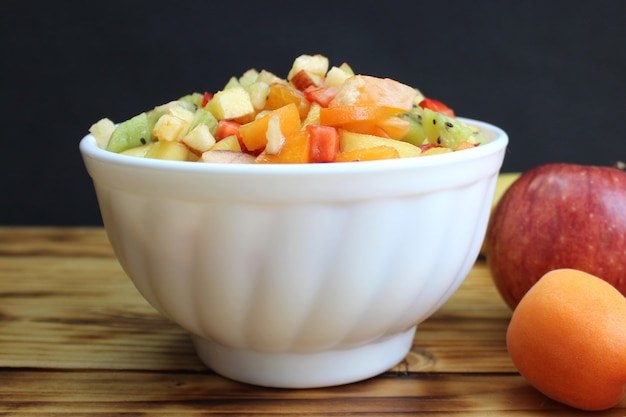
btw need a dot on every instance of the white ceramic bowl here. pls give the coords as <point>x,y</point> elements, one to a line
<point>298,275</point>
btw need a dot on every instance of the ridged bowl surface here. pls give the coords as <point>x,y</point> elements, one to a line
<point>298,275</point>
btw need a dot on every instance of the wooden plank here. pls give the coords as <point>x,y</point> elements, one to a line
<point>76,338</point>
<point>148,393</point>
<point>54,241</point>
<point>82,312</point>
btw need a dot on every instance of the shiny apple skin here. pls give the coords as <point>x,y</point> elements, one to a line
<point>558,216</point>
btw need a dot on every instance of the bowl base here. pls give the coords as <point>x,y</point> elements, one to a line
<point>313,370</point>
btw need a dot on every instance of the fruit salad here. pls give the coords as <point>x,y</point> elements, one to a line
<point>317,114</point>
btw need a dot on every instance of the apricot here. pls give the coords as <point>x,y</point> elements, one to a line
<point>567,338</point>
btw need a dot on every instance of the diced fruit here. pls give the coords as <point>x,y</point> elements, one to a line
<point>204,117</point>
<point>226,128</point>
<point>435,150</point>
<point>206,97</point>
<point>340,115</point>
<point>465,145</point>
<point>253,133</point>
<point>174,151</point>
<point>227,157</point>
<point>294,151</point>
<point>139,151</point>
<point>313,118</point>
<point>195,99</point>
<point>391,127</point>
<point>229,143</point>
<point>129,134</point>
<point>323,143</point>
<point>321,95</point>
<point>350,141</point>
<point>281,94</point>
<point>101,131</point>
<point>314,64</point>
<point>368,154</point>
<point>315,114</point>
<point>259,91</point>
<point>248,78</point>
<point>232,82</point>
<point>365,90</point>
<point>173,124</point>
<point>231,103</point>
<point>199,138</point>
<point>436,105</point>
<point>443,130</point>
<point>415,134</point>
<point>337,76</point>
<point>274,136</point>
<point>269,78</point>
<point>304,79</point>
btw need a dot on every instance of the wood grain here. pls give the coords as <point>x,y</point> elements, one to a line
<point>77,338</point>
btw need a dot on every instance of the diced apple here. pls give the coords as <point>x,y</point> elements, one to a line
<point>275,137</point>
<point>350,141</point>
<point>199,138</point>
<point>304,79</point>
<point>231,103</point>
<point>314,64</point>
<point>227,157</point>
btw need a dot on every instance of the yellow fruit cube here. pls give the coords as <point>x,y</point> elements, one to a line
<point>231,103</point>
<point>350,141</point>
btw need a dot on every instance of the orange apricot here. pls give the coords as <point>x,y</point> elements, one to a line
<point>567,338</point>
<point>253,134</point>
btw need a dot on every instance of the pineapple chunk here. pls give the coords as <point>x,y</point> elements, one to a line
<point>350,141</point>
<point>249,77</point>
<point>313,116</point>
<point>269,77</point>
<point>314,64</point>
<point>101,131</point>
<point>173,125</point>
<point>139,151</point>
<point>231,103</point>
<point>336,76</point>
<point>259,91</point>
<point>229,143</point>
<point>199,138</point>
<point>174,151</point>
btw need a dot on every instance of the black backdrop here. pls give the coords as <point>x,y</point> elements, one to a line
<point>551,73</point>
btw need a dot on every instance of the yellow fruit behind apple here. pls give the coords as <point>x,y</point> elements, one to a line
<point>503,183</point>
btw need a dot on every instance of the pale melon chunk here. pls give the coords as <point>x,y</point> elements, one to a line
<point>350,141</point>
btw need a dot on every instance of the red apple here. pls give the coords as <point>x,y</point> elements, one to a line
<point>558,216</point>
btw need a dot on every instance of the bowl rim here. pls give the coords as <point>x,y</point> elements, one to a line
<point>89,149</point>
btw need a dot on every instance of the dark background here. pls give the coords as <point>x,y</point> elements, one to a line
<point>551,73</point>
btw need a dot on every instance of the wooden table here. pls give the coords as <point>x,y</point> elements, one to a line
<point>76,338</point>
